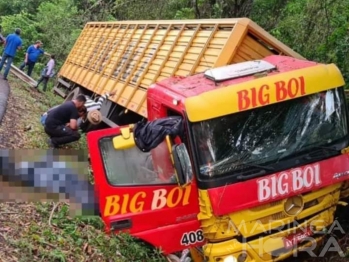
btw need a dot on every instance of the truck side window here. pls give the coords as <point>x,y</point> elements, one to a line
<point>134,167</point>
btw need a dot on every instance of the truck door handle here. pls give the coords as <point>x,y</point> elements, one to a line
<point>121,224</point>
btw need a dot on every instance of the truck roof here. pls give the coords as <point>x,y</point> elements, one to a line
<point>287,78</point>
<point>197,84</point>
<point>129,56</point>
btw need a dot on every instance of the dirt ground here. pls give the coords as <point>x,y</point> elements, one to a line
<point>32,231</point>
<point>11,128</point>
<point>20,127</point>
<point>44,231</point>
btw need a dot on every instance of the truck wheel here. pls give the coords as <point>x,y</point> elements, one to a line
<point>173,258</point>
<point>73,94</point>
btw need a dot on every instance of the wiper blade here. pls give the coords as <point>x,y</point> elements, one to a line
<point>268,168</point>
<point>327,148</point>
<point>258,174</point>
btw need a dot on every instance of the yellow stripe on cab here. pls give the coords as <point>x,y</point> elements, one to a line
<point>263,91</point>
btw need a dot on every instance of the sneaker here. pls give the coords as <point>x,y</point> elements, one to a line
<point>50,144</point>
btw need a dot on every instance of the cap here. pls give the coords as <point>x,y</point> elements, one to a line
<point>38,42</point>
<point>18,31</point>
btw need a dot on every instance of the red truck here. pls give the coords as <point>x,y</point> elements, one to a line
<point>257,172</point>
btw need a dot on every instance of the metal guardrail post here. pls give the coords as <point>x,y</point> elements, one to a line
<point>21,75</point>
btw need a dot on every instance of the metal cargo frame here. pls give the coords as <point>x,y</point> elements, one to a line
<point>129,56</point>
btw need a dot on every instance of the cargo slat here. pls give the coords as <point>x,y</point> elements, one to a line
<point>128,56</point>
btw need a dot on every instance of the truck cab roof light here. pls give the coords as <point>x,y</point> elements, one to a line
<point>238,70</point>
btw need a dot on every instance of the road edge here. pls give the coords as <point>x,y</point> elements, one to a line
<point>4,94</point>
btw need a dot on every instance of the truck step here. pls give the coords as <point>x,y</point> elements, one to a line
<point>60,92</point>
<point>65,83</point>
<point>109,122</point>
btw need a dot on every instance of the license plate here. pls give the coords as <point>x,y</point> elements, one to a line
<point>294,239</point>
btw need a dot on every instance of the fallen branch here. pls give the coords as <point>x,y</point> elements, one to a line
<point>3,236</point>
<point>51,215</point>
<point>48,244</point>
<point>8,213</point>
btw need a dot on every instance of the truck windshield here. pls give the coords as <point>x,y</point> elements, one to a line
<point>261,139</point>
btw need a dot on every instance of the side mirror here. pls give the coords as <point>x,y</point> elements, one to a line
<point>125,140</point>
<point>182,164</point>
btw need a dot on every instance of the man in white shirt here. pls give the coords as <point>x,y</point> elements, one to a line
<point>47,73</point>
<point>93,116</point>
<point>96,105</point>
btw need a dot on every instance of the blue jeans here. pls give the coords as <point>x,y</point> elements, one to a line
<point>43,119</point>
<point>8,65</point>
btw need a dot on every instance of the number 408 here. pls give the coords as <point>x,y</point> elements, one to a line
<point>190,238</point>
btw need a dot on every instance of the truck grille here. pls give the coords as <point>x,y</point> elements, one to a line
<point>252,222</point>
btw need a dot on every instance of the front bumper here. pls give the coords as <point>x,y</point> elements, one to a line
<point>270,247</point>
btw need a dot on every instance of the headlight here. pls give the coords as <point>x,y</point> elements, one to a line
<point>230,259</point>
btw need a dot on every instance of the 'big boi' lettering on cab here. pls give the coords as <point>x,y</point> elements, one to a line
<point>283,90</point>
<point>289,181</point>
<point>123,204</point>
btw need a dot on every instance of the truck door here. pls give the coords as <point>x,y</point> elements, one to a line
<point>141,196</point>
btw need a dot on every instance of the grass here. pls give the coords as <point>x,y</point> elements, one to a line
<point>44,231</point>
<point>36,137</point>
<point>30,235</point>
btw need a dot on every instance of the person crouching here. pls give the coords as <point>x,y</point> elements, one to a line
<point>61,123</point>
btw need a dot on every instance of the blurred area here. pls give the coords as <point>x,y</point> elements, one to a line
<point>38,175</point>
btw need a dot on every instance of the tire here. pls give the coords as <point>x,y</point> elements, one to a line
<point>73,94</point>
<point>172,258</point>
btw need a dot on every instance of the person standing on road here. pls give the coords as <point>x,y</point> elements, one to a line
<point>47,73</point>
<point>13,42</point>
<point>31,57</point>
<point>61,123</point>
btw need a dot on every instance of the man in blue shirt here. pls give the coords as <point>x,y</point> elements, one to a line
<point>12,43</point>
<point>31,56</point>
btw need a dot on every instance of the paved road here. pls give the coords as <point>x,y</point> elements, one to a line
<point>4,93</point>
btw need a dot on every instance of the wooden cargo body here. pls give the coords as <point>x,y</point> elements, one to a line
<point>129,56</point>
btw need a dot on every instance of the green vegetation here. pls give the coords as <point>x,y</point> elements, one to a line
<point>44,231</point>
<point>316,29</point>
<point>31,234</point>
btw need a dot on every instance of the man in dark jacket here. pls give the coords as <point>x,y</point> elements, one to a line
<point>61,122</point>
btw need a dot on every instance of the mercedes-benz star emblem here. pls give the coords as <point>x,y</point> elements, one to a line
<point>294,205</point>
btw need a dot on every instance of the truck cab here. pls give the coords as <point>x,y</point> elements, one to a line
<point>256,175</point>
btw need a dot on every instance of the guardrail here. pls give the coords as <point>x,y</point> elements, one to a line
<point>22,75</point>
